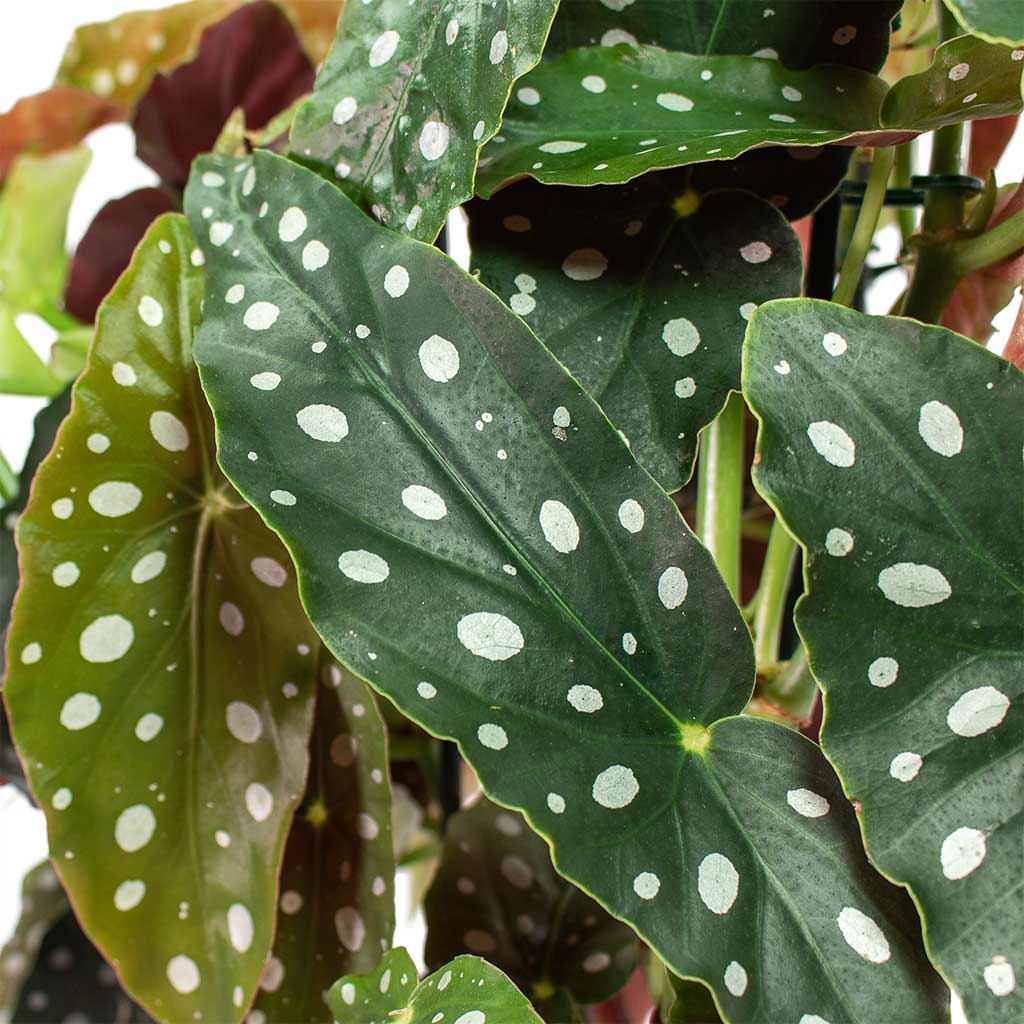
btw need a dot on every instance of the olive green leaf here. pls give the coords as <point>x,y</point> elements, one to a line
<point>998,21</point>
<point>160,669</point>
<point>893,452</point>
<point>854,33</point>
<point>393,421</point>
<point>466,991</point>
<point>33,262</point>
<point>42,903</point>
<point>496,894</point>
<point>408,95</point>
<point>968,78</point>
<point>337,901</point>
<point>643,292</point>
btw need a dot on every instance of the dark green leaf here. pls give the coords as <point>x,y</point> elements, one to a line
<point>539,600</point>
<point>337,902</point>
<point>998,21</point>
<point>160,669</point>
<point>893,452</point>
<point>497,895</point>
<point>643,292</point>
<point>408,95</point>
<point>466,991</point>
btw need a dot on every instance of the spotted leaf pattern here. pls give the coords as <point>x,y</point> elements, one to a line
<point>643,292</point>
<point>994,20</point>
<point>408,95</point>
<point>336,911</point>
<point>539,600</point>
<point>466,991</point>
<point>497,895</point>
<point>913,618</point>
<point>158,641</point>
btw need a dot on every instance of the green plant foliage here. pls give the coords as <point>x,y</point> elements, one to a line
<point>466,991</point>
<point>643,292</point>
<point>968,78</point>
<point>438,526</point>
<point>408,95</point>
<point>337,897</point>
<point>496,894</point>
<point>913,618</point>
<point>160,669</point>
<point>998,21</point>
<point>33,217</point>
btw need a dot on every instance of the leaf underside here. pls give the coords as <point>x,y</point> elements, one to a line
<point>914,616</point>
<point>384,450</point>
<point>998,21</point>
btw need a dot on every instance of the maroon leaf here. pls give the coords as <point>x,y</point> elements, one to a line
<point>106,249</point>
<point>253,59</point>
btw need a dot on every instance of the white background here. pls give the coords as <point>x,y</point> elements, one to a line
<point>34,37</point>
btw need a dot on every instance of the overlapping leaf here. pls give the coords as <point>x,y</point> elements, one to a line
<point>893,452</point>
<point>33,218</point>
<point>408,95</point>
<point>468,990</point>
<point>998,21</point>
<point>643,292</point>
<point>160,669</point>
<point>497,895</point>
<point>337,902</point>
<point>538,600</point>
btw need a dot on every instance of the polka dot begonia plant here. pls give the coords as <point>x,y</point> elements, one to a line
<point>364,563</point>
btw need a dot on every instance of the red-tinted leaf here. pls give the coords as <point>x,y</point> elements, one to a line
<point>989,139</point>
<point>55,119</point>
<point>252,59</point>
<point>107,248</point>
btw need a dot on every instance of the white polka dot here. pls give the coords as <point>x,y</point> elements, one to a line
<point>584,264</point>
<point>129,894</point>
<point>978,711</point>
<point>530,97</point>
<point>260,316</point>
<point>222,839</point>
<point>434,140</point>
<point>344,110</point>
<point>838,542</point>
<point>629,643</point>
<point>748,309</point>
<point>62,799</point>
<point>168,431</point>
<point>280,497</point>
<point>134,828</point>
<point>148,567</point>
<point>594,963</point>
<point>631,515</point>
<point>106,639</point>
<point>31,653</point>
<point>383,48</point>
<point>833,444</point>
<point>315,255</point>
<point>940,429</point>
<point>962,852</point>
<point>451,32</point>
<point>211,179</point>
<point>863,936</point>
<point>834,344</point>
<point>718,883</point>
<point>364,566</point>
<point>492,736</point>
<point>490,635</point>
<point>904,767</point>
<point>272,977</point>
<point>66,574</point>
<point>362,331</point>
<point>559,525</point>
<point>343,750</point>
<point>97,443</point>
<point>439,359</point>
<point>914,586</point>
<point>685,388</point>
<point>249,182</point>
<point>782,367</point>
<point>681,336</point>
<point>672,587</point>
<point>646,885</point>
<point>516,872</point>
<point>561,146</point>
<point>756,252</point>
<point>426,690</point>
<point>556,803</point>
<point>499,47</point>
<point>423,502</point>
<point>594,84</point>
<point>231,618</point>
<point>396,281</point>
<point>292,224</point>
<point>269,571</point>
<point>807,803</point>
<point>615,787</point>
<point>259,801</point>
<point>735,979</point>
<point>243,721</point>
<point>148,726</point>
<point>616,36</point>
<point>1000,978</point>
<point>80,711</point>
<point>350,928</point>
<point>240,927</point>
<point>183,974</point>
<point>234,294</point>
<point>63,508</point>
<point>265,381</point>
<point>958,72</point>
<point>150,311</point>
<point>585,699</point>
<point>672,100</point>
<point>115,498</point>
<point>323,423</point>
<point>882,672</point>
<point>124,375</point>
<point>291,902</point>
<point>220,232</point>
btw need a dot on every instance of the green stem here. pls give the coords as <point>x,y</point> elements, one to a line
<point>720,491</point>
<point>970,254</point>
<point>8,481</point>
<point>770,599</point>
<point>903,170</point>
<point>867,222</point>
